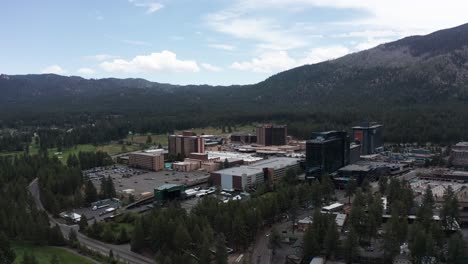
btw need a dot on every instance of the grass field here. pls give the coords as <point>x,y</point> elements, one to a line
<point>111,149</point>
<point>44,254</point>
<point>162,138</point>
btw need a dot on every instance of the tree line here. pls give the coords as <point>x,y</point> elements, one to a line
<point>63,187</point>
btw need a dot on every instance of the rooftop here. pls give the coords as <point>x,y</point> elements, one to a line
<point>167,186</point>
<point>274,163</point>
<point>222,155</point>
<point>368,125</point>
<point>462,144</point>
<point>241,170</point>
<point>150,152</point>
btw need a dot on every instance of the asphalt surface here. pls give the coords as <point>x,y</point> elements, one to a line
<point>122,251</point>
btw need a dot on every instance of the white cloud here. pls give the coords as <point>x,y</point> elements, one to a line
<point>99,18</point>
<point>370,43</point>
<point>150,7</point>
<point>269,62</point>
<point>210,67</point>
<point>276,61</point>
<point>378,21</point>
<point>85,71</point>
<point>136,42</point>
<point>56,69</point>
<point>317,55</point>
<point>261,29</point>
<point>101,57</point>
<point>407,17</point>
<point>165,61</point>
<point>222,47</point>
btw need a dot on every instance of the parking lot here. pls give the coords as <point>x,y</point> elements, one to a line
<point>99,213</point>
<point>140,181</point>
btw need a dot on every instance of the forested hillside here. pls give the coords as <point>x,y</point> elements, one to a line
<point>416,86</point>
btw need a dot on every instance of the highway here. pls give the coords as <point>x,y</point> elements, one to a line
<point>122,251</point>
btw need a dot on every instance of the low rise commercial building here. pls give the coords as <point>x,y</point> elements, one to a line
<point>370,170</point>
<point>169,192</point>
<point>243,138</point>
<point>439,188</point>
<point>446,175</point>
<point>186,165</point>
<point>247,176</point>
<point>459,154</point>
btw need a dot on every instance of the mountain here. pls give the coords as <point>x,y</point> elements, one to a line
<point>419,71</point>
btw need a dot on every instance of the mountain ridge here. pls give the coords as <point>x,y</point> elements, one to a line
<point>417,70</point>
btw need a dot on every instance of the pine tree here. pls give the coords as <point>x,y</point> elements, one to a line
<point>73,237</point>
<point>54,260</point>
<point>274,241</point>
<point>221,250</point>
<point>107,234</point>
<point>29,258</point>
<point>138,237</point>
<point>110,189</point>
<point>455,251</point>
<point>425,213</point>
<point>331,238</point>
<point>7,255</point>
<point>123,235</point>
<point>56,237</point>
<point>83,223</point>
<point>103,192</point>
<point>350,188</point>
<point>181,238</point>
<point>310,246</point>
<point>90,193</point>
<point>450,209</point>
<point>351,246</point>
<point>383,184</point>
<point>205,254</point>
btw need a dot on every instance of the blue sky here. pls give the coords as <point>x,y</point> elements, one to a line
<point>204,41</point>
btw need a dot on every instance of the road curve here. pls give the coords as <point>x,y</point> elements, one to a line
<point>122,251</point>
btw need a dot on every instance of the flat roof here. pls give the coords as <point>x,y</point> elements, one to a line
<point>370,126</point>
<point>167,186</point>
<point>241,170</point>
<point>232,155</point>
<point>149,153</point>
<point>276,162</point>
<point>332,206</point>
<point>340,219</point>
<point>462,144</point>
<point>317,260</point>
<point>255,168</point>
<point>356,167</point>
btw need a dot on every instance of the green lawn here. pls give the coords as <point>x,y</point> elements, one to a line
<point>111,149</point>
<point>162,138</point>
<point>44,254</point>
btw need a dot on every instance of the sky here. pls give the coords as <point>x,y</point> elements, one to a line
<point>217,42</point>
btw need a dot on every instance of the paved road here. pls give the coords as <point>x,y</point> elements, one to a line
<point>261,253</point>
<point>122,251</point>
